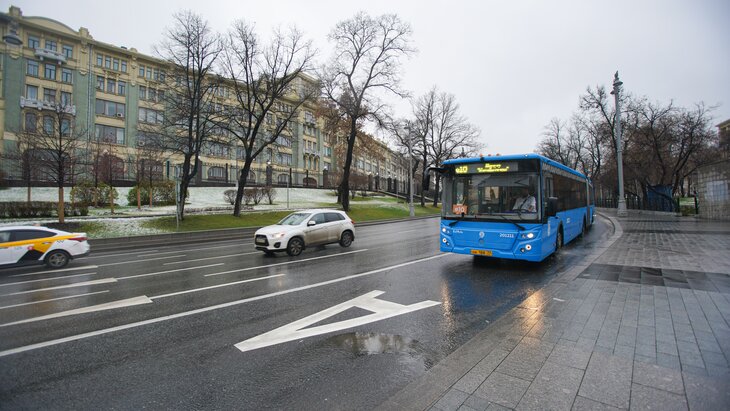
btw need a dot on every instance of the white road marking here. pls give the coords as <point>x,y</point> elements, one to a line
<point>51,299</point>
<point>99,307</point>
<point>57,271</point>
<point>212,258</point>
<point>206,309</point>
<point>148,254</point>
<point>102,255</point>
<point>216,286</point>
<point>380,309</point>
<point>285,263</point>
<point>46,279</point>
<point>558,299</point>
<point>82,284</point>
<point>139,261</point>
<point>168,271</point>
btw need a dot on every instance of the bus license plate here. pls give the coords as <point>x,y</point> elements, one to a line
<point>482,252</point>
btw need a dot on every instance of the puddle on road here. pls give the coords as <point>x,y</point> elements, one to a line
<point>375,343</point>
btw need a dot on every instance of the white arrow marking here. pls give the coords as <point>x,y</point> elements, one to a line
<point>380,309</point>
<point>100,307</point>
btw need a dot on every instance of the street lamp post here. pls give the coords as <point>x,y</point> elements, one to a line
<point>621,208</point>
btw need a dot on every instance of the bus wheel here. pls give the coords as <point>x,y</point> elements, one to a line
<point>559,239</point>
<point>583,229</point>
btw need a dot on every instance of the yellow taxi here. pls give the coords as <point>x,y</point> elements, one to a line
<point>24,245</point>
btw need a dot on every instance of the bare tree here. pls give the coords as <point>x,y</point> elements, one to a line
<point>450,133</point>
<point>270,90</point>
<point>21,159</point>
<point>147,166</point>
<point>192,50</point>
<point>366,61</point>
<point>51,143</point>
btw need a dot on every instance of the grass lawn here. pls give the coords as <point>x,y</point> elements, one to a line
<point>359,213</point>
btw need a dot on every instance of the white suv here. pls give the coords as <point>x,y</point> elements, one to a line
<point>305,228</point>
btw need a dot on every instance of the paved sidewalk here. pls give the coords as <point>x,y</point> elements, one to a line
<point>643,323</point>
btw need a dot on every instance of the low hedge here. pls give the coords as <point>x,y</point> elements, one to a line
<point>33,209</point>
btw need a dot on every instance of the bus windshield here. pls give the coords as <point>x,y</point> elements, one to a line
<point>500,196</point>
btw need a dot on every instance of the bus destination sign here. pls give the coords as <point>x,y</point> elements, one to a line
<point>486,168</point>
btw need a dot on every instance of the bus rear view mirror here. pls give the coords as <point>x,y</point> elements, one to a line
<point>552,206</point>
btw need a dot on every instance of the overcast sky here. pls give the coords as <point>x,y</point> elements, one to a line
<point>513,65</point>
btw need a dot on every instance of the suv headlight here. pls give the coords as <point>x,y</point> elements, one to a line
<point>278,235</point>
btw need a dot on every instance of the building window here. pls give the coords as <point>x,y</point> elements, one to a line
<point>68,51</point>
<point>108,134</point>
<point>65,127</point>
<point>49,95</point>
<point>283,141</point>
<point>283,159</point>
<point>152,94</point>
<point>142,93</point>
<point>100,83</point>
<point>66,99</point>
<point>31,122</point>
<point>150,116</point>
<point>122,88</point>
<point>31,92</point>
<point>109,108</point>
<point>33,42</point>
<point>99,60</point>
<point>66,75</point>
<point>51,45</point>
<point>111,86</point>
<point>48,125</point>
<point>32,69</point>
<point>141,70</point>
<point>149,73</point>
<point>115,64</point>
<point>50,71</point>
<point>124,66</point>
<point>108,61</point>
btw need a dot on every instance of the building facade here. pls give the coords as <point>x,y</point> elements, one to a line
<point>115,94</point>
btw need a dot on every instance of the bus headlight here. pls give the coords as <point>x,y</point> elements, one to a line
<point>446,230</point>
<point>527,236</point>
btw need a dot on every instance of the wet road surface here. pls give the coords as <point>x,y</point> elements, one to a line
<point>213,325</point>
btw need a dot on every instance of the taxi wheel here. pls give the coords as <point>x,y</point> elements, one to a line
<point>346,239</point>
<point>57,259</point>
<point>295,247</point>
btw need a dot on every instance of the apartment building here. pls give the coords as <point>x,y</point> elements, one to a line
<point>115,94</point>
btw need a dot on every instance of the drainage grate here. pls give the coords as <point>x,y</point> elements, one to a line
<point>696,280</point>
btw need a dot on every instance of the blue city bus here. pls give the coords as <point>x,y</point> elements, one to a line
<point>487,209</point>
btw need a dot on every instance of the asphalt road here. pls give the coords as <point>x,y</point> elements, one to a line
<point>213,325</point>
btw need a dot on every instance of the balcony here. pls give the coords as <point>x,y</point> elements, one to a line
<point>44,54</point>
<point>45,105</point>
<point>311,151</point>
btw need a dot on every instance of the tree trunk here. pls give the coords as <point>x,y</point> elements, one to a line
<point>111,198</point>
<point>345,184</point>
<point>61,216</point>
<point>28,193</point>
<point>436,186</point>
<point>139,196</point>
<point>242,180</point>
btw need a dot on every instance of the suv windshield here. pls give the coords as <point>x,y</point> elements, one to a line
<point>506,195</point>
<point>294,219</point>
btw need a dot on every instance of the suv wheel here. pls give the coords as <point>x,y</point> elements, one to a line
<point>295,247</point>
<point>57,259</point>
<point>346,239</point>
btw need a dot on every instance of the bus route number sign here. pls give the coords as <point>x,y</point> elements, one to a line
<point>459,209</point>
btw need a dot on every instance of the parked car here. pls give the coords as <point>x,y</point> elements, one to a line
<point>306,228</point>
<point>24,245</point>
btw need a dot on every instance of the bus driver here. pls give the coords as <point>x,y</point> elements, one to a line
<point>525,202</point>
